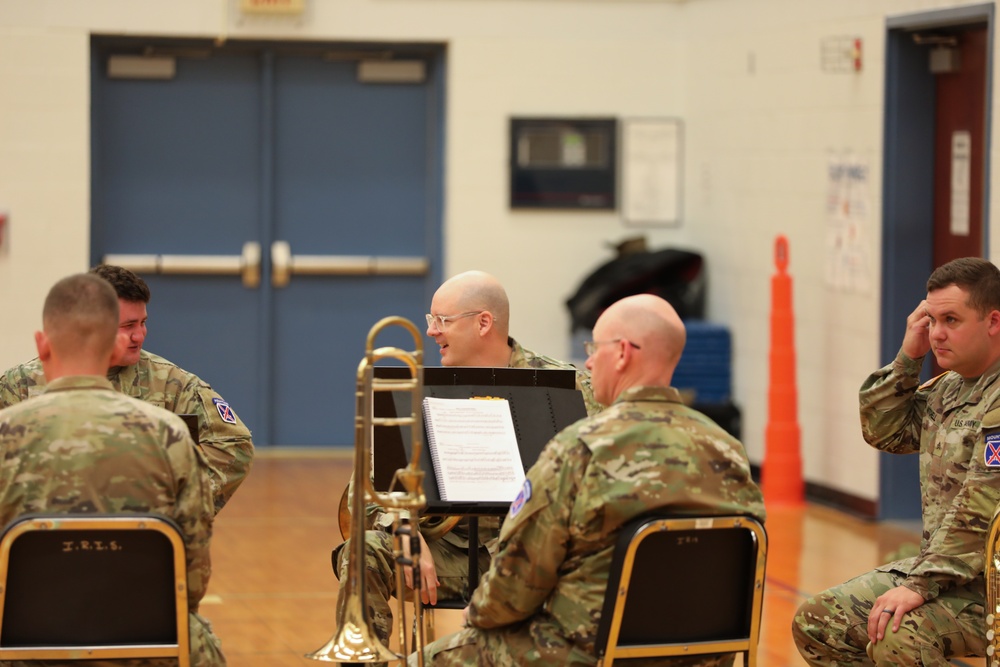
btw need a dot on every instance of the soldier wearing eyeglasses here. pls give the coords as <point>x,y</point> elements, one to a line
<point>469,320</point>
<point>541,599</point>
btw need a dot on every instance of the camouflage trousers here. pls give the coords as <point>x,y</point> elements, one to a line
<point>515,645</point>
<point>206,651</point>
<point>451,562</point>
<point>831,629</point>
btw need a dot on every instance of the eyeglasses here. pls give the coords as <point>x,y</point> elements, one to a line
<point>590,346</point>
<point>441,320</point>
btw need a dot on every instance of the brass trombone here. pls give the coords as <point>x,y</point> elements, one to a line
<point>354,640</point>
<point>992,574</point>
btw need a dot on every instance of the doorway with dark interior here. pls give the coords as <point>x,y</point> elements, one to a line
<point>935,180</point>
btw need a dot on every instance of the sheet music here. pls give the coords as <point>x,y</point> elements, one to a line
<point>473,448</point>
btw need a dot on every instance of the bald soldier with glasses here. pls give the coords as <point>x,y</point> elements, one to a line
<point>540,601</point>
<point>469,321</point>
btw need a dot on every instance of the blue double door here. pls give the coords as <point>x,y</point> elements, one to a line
<point>278,207</point>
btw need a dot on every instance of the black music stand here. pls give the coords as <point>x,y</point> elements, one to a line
<point>542,403</point>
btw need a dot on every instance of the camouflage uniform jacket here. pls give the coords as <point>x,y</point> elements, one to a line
<point>222,436</point>
<point>950,421</point>
<point>646,451</point>
<point>488,526</point>
<point>83,448</point>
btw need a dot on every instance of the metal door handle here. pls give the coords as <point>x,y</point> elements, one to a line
<point>284,264</point>
<point>245,265</point>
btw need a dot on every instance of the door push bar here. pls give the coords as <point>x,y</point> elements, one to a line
<point>245,265</point>
<point>284,264</point>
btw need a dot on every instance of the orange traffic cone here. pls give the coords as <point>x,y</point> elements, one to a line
<point>781,474</point>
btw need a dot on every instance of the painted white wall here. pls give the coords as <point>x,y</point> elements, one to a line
<point>761,120</point>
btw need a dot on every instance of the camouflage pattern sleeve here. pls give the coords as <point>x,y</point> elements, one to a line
<point>222,436</point>
<point>892,407</point>
<point>376,518</point>
<point>20,382</point>
<point>194,512</point>
<point>195,508</point>
<point>583,384</point>
<point>533,540</point>
<point>957,518</point>
<point>954,555</point>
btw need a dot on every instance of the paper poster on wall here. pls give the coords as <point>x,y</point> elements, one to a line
<point>651,172</point>
<point>848,213</point>
<point>961,182</point>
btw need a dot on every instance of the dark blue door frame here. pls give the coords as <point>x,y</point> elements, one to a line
<point>907,211</point>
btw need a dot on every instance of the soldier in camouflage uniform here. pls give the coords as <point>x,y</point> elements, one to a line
<point>540,602</point>
<point>929,608</point>
<point>223,437</point>
<point>82,447</point>
<point>476,330</point>
<point>464,340</point>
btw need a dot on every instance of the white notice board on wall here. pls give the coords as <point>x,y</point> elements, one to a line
<point>651,171</point>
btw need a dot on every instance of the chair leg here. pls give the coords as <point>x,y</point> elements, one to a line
<point>428,627</point>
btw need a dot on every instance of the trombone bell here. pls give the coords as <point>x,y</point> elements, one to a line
<point>354,641</point>
<point>992,575</point>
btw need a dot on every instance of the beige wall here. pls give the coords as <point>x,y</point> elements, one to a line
<point>761,120</point>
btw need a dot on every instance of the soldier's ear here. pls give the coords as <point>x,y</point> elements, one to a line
<point>993,320</point>
<point>484,322</point>
<point>43,345</point>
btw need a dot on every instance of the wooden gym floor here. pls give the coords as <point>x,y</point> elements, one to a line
<point>272,594</point>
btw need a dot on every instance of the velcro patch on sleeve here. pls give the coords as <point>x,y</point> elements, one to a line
<point>523,496</point>
<point>992,452</point>
<point>225,411</point>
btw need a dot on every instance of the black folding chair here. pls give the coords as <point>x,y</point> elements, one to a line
<point>698,589</point>
<point>93,586</point>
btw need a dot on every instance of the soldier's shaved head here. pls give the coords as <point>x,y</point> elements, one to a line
<point>79,322</point>
<point>653,323</point>
<point>479,336</point>
<point>478,290</point>
<point>639,341</point>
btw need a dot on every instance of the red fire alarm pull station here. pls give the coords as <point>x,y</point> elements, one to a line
<point>3,225</point>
